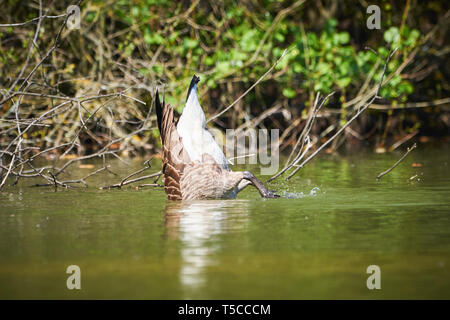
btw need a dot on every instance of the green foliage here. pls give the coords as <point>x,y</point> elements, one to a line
<point>323,61</point>
<point>328,62</point>
<point>243,43</point>
<point>229,45</point>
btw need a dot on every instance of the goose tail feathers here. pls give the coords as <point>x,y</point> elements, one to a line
<point>192,85</point>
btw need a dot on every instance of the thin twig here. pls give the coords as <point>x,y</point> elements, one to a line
<point>19,24</point>
<point>124,183</point>
<point>249,89</point>
<point>360,111</point>
<point>414,146</point>
<point>304,136</point>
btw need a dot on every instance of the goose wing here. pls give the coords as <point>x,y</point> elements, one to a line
<point>174,156</point>
<point>206,179</point>
<point>211,147</point>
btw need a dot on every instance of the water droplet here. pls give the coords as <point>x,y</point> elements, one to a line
<point>314,191</point>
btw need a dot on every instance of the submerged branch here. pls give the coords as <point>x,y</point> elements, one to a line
<point>125,180</point>
<point>360,111</point>
<point>397,163</point>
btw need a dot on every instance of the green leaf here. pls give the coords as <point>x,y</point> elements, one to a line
<point>190,43</point>
<point>344,38</point>
<point>222,67</point>
<point>209,61</point>
<point>152,38</point>
<point>391,35</point>
<point>279,37</point>
<point>289,93</point>
<point>343,82</point>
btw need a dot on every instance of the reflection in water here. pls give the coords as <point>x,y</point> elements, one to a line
<point>137,245</point>
<point>196,224</point>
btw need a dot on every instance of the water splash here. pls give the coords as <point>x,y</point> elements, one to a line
<point>314,191</point>
<point>298,195</point>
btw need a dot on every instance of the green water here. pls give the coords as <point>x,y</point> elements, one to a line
<point>135,244</point>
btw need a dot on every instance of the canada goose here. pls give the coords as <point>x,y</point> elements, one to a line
<point>194,166</point>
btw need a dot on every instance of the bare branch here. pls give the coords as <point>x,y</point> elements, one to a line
<point>360,111</point>
<point>249,89</point>
<point>414,146</point>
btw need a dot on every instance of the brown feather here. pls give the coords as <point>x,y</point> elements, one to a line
<point>184,179</point>
<point>208,180</point>
<point>174,156</point>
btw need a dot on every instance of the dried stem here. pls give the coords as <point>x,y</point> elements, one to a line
<point>248,90</point>
<point>358,113</point>
<point>124,182</point>
<point>414,146</point>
